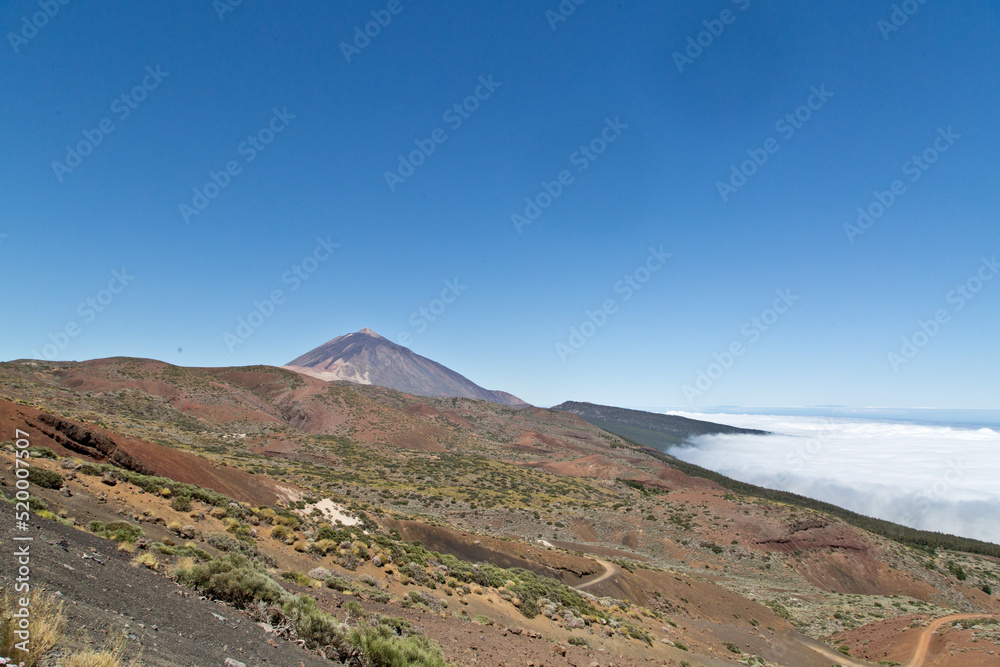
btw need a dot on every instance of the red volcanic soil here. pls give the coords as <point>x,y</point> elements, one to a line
<point>531,438</point>
<point>422,410</point>
<point>67,437</point>
<point>677,478</point>
<point>860,572</point>
<point>919,641</point>
<point>596,465</point>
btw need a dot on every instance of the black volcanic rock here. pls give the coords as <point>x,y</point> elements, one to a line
<point>367,358</point>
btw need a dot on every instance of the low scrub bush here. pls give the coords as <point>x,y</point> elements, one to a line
<point>47,479</point>
<point>383,647</point>
<point>181,503</point>
<point>234,579</point>
<point>118,531</point>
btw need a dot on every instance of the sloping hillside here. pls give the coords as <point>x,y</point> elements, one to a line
<point>479,481</point>
<point>666,430</point>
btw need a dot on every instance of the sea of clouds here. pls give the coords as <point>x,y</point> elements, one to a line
<point>932,477</point>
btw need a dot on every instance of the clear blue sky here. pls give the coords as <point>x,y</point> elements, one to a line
<point>676,135</point>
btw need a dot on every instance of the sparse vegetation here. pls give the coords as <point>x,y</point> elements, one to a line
<point>117,531</point>
<point>48,633</point>
<point>47,479</point>
<point>234,579</point>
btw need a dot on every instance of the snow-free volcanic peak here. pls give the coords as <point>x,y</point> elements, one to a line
<point>368,358</point>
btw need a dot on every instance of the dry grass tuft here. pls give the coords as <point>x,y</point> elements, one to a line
<point>112,655</point>
<point>46,624</point>
<point>147,559</point>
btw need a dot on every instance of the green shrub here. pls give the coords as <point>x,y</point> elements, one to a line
<point>47,479</point>
<point>780,610</point>
<point>381,597</point>
<point>37,504</point>
<point>224,542</point>
<point>957,570</point>
<point>339,584</point>
<point>326,532</point>
<point>234,579</point>
<point>181,503</point>
<point>312,625</point>
<point>42,453</point>
<point>382,647</point>
<point>119,531</point>
<point>296,577</point>
<point>122,531</point>
<point>164,549</point>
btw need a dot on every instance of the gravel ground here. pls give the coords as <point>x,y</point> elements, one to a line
<point>106,595</point>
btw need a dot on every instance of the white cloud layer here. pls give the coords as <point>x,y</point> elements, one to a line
<point>925,476</point>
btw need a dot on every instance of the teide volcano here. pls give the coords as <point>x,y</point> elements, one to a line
<point>367,358</point>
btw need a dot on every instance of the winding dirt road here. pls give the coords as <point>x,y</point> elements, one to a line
<point>610,570</point>
<point>920,655</point>
<point>827,652</point>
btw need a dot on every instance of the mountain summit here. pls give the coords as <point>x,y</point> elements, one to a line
<point>367,358</point>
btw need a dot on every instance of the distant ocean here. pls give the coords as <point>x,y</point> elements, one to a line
<point>930,469</point>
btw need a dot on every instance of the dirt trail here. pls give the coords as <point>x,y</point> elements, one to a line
<point>610,570</point>
<point>920,656</point>
<point>827,652</point>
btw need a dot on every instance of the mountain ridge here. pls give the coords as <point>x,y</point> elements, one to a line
<point>365,357</point>
<point>672,429</point>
